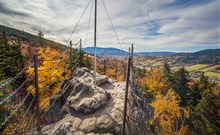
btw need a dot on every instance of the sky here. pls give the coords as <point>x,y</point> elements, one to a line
<point>151,25</point>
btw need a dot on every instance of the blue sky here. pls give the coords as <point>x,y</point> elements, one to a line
<point>151,25</point>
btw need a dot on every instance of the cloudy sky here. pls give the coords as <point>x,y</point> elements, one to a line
<point>152,25</point>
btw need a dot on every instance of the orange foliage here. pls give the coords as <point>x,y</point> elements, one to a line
<point>49,80</point>
<point>155,82</point>
<point>169,113</point>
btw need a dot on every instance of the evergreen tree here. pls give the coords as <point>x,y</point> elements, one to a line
<point>86,62</point>
<point>10,59</point>
<point>180,85</point>
<point>197,88</point>
<point>40,35</point>
<point>11,63</point>
<point>205,118</point>
<point>167,72</point>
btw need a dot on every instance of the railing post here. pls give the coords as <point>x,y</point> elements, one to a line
<point>88,61</point>
<point>131,78</point>
<point>37,92</point>
<point>80,53</point>
<point>104,66</point>
<point>116,69</point>
<point>126,93</point>
<point>71,56</point>
<point>132,52</point>
<point>95,21</point>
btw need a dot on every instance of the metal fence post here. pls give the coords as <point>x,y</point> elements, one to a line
<point>80,53</point>
<point>131,79</point>
<point>104,62</point>
<point>126,93</point>
<point>132,52</point>
<point>71,56</point>
<point>37,92</point>
<point>116,69</point>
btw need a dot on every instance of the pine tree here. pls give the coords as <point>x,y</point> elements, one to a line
<point>10,58</point>
<point>11,62</point>
<point>40,35</point>
<point>180,85</point>
<point>197,88</point>
<point>167,72</point>
<point>205,118</point>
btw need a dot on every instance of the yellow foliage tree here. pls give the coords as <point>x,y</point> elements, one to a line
<point>165,101</point>
<point>121,77</point>
<point>111,73</point>
<point>154,82</point>
<point>169,114</point>
<point>51,74</point>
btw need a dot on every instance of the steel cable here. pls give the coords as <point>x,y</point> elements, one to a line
<point>53,102</point>
<point>16,90</point>
<point>25,114</point>
<point>53,81</point>
<point>16,109</point>
<point>112,24</point>
<point>16,76</point>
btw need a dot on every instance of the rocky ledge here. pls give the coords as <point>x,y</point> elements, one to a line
<point>79,108</point>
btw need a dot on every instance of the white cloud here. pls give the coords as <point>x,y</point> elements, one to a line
<point>152,25</point>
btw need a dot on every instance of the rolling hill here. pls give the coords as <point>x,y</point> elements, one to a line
<point>208,56</point>
<point>108,51</point>
<point>117,52</point>
<point>32,39</point>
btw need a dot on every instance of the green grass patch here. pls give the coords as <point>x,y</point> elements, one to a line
<point>196,67</point>
<point>212,74</point>
<point>210,68</point>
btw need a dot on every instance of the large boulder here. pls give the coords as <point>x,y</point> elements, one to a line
<point>83,109</point>
<point>86,98</point>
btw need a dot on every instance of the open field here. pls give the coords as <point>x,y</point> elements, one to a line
<point>211,68</point>
<point>212,74</point>
<point>208,69</point>
<point>196,67</point>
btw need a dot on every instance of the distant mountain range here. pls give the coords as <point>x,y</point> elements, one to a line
<point>117,52</point>
<point>153,53</point>
<point>204,56</point>
<point>107,51</point>
<point>208,56</point>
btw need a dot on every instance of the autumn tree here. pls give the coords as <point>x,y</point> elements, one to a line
<point>170,115</point>
<point>51,74</point>
<point>154,83</point>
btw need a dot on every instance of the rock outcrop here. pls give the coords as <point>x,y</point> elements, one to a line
<point>79,108</point>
